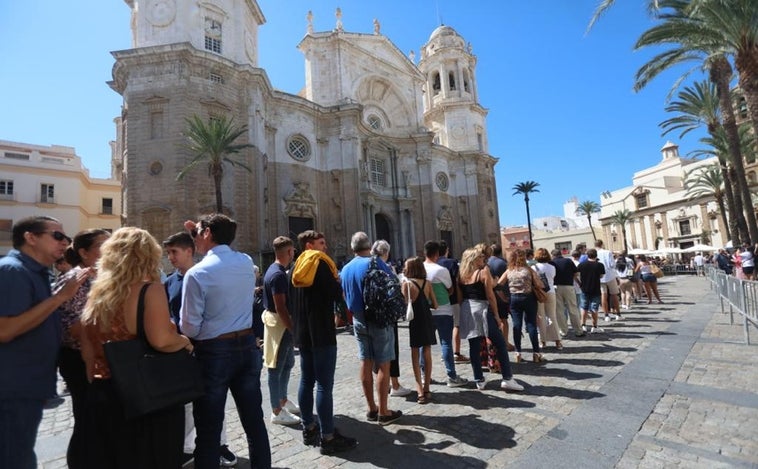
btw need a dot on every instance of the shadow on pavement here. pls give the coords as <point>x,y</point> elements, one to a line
<point>600,348</point>
<point>380,447</point>
<point>558,391</point>
<point>542,370</point>
<point>585,362</point>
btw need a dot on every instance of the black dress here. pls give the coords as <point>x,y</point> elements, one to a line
<point>421,329</point>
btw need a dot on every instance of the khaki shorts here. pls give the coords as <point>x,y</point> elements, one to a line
<point>611,288</point>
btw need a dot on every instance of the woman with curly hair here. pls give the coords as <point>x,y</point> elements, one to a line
<point>479,316</point>
<point>128,278</point>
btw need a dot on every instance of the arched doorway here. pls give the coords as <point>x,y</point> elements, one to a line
<point>383,229</point>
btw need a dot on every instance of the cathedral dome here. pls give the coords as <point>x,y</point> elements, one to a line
<point>446,36</point>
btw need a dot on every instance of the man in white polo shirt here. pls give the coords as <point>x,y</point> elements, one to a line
<point>609,284</point>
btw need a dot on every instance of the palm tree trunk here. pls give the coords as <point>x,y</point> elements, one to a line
<point>720,73</point>
<point>747,68</point>
<point>722,208</point>
<point>623,233</point>
<point>731,204</point>
<point>529,221</point>
<point>589,220</point>
<point>217,176</point>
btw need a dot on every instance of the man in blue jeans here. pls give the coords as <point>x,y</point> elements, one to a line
<point>216,313</point>
<point>316,289</point>
<point>30,334</point>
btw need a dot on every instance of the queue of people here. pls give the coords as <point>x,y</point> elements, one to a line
<point>206,308</point>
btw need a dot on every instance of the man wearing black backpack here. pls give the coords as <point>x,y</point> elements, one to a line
<point>376,342</point>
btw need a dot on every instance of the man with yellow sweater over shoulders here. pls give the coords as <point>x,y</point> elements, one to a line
<point>316,288</point>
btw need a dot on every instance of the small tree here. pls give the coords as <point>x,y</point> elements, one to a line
<point>212,143</point>
<point>622,217</point>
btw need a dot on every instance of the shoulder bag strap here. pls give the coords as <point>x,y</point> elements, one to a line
<point>141,315</point>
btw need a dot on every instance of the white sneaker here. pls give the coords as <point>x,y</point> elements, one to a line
<point>480,385</point>
<point>615,317</point>
<point>285,418</point>
<point>400,392</point>
<point>607,318</point>
<point>596,330</point>
<point>511,385</point>
<point>584,328</point>
<point>291,407</point>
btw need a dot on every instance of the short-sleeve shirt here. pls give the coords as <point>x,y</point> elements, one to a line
<point>27,363</point>
<point>590,273</point>
<point>173,285</point>
<point>605,257</point>
<point>352,276</point>
<point>274,283</point>
<point>564,271</point>
<point>441,281</point>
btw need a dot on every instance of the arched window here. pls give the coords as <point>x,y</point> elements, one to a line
<point>436,85</point>
<point>451,80</point>
<point>465,81</point>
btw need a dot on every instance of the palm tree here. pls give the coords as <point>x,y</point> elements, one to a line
<point>694,36</point>
<point>622,217</point>
<point>587,208</point>
<point>695,106</point>
<point>212,143</point>
<point>708,181</point>
<point>605,5</point>
<point>526,188</point>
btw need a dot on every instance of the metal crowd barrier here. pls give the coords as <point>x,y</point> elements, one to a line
<point>678,269</point>
<point>740,295</point>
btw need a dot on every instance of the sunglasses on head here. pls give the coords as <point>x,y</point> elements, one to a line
<point>57,235</point>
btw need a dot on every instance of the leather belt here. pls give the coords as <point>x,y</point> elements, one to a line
<point>231,335</point>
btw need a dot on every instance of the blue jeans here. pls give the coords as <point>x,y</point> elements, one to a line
<point>279,377</point>
<point>19,422</point>
<point>444,326</point>
<point>475,346</point>
<point>524,307</point>
<point>230,365</point>
<point>317,366</point>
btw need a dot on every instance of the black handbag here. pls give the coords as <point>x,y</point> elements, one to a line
<point>147,380</point>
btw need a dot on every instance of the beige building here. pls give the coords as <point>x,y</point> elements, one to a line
<point>663,216</point>
<point>375,141</point>
<point>50,180</point>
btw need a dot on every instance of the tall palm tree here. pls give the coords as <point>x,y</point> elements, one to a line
<point>693,36</point>
<point>622,217</point>
<point>605,5</point>
<point>708,181</point>
<point>695,106</point>
<point>587,208</point>
<point>526,188</point>
<point>212,143</point>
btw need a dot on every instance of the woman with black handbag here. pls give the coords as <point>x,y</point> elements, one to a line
<point>128,287</point>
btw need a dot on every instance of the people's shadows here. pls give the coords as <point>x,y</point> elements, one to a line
<point>481,401</point>
<point>547,371</point>
<point>625,323</point>
<point>53,402</point>
<point>406,446</point>
<point>638,335</point>
<point>567,392</point>
<point>600,348</point>
<point>586,362</point>
<point>659,320</point>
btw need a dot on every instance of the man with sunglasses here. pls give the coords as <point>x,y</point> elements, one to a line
<point>30,334</point>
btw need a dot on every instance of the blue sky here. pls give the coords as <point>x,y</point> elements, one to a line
<point>562,111</point>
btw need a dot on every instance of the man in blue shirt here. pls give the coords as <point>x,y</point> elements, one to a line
<point>216,312</point>
<point>30,334</point>
<point>376,345</point>
<point>180,249</point>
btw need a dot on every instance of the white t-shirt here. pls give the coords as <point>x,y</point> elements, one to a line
<point>549,271</point>
<point>440,279</point>
<point>605,257</point>
<point>747,259</point>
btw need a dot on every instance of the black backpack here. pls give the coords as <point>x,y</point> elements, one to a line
<point>383,299</point>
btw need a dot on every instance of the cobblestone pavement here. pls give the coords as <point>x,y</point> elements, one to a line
<point>670,385</point>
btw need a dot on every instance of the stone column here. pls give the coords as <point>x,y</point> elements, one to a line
<point>653,230</point>
<point>665,228</point>
<point>633,233</point>
<point>643,235</point>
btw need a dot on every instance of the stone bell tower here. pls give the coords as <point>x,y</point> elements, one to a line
<point>451,103</point>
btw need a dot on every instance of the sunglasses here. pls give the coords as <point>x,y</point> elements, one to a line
<point>195,233</point>
<point>57,235</point>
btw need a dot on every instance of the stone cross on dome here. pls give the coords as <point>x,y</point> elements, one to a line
<point>309,17</point>
<point>338,14</point>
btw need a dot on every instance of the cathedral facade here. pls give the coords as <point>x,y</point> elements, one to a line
<point>376,141</point>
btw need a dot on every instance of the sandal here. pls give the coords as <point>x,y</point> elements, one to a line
<point>424,398</point>
<point>538,358</point>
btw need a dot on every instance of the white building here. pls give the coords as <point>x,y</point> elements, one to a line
<point>50,180</point>
<point>663,215</point>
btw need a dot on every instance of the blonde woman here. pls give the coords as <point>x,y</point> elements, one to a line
<point>522,281</point>
<point>475,286</point>
<point>128,276</point>
<point>546,318</point>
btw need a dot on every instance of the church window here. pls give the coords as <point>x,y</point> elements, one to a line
<point>156,124</point>
<point>216,78</point>
<point>375,122</point>
<point>213,35</point>
<point>107,208</point>
<point>489,194</point>
<point>156,167</point>
<point>641,200</point>
<point>742,108</point>
<point>480,141</point>
<point>299,148</point>
<point>451,80</point>
<point>442,181</point>
<point>378,175</point>
<point>465,81</point>
<point>436,84</point>
<point>684,228</point>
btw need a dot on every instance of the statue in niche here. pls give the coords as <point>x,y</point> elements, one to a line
<point>364,170</point>
<point>377,26</point>
<point>412,56</point>
<point>309,17</point>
